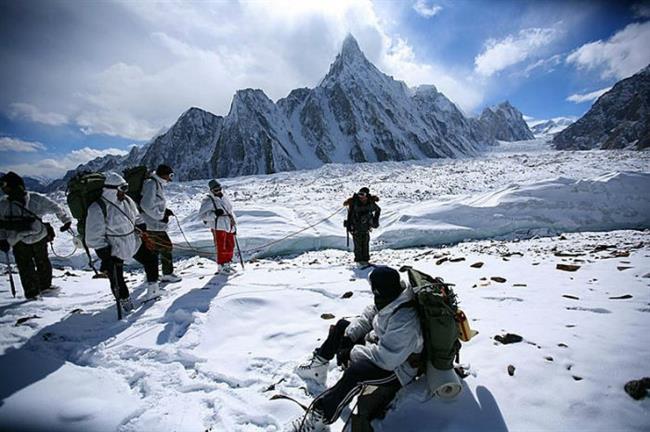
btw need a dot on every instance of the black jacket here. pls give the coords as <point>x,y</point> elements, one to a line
<point>362,217</point>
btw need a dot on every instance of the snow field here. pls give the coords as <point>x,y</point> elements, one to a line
<point>211,353</point>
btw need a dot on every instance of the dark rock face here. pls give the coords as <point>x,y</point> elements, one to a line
<point>355,114</point>
<point>618,119</point>
<point>506,123</point>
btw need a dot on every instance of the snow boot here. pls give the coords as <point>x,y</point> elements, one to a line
<point>126,304</point>
<point>227,268</point>
<point>171,278</point>
<point>314,369</point>
<point>153,290</point>
<point>312,421</point>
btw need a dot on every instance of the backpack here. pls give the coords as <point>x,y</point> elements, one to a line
<point>443,324</point>
<point>135,177</point>
<point>84,189</point>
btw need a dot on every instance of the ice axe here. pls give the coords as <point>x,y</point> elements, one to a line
<point>11,275</point>
<point>241,260</point>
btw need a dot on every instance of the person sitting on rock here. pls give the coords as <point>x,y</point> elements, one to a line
<point>374,348</point>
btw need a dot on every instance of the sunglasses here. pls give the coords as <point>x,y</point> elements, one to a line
<point>216,190</point>
<point>121,188</point>
<point>362,194</point>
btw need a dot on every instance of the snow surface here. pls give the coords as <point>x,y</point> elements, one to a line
<point>211,353</point>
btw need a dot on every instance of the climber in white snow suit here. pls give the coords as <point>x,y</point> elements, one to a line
<point>156,214</point>
<point>114,228</point>
<point>217,213</point>
<point>374,348</point>
<point>22,228</point>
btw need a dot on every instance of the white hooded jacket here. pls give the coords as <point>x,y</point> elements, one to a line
<point>391,336</point>
<point>153,203</point>
<point>37,204</point>
<point>207,213</point>
<point>117,228</point>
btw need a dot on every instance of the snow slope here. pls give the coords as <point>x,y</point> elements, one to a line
<point>211,353</point>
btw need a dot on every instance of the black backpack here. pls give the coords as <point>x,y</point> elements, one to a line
<point>84,189</point>
<point>135,177</point>
<point>437,307</point>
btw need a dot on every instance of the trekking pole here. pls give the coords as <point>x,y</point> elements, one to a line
<point>241,260</point>
<point>347,243</point>
<point>11,275</point>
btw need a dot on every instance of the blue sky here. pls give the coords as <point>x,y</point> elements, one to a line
<point>82,79</point>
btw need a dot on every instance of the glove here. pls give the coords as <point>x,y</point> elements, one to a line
<point>168,213</point>
<point>343,354</point>
<point>4,246</point>
<point>66,226</point>
<point>375,224</point>
<point>104,253</point>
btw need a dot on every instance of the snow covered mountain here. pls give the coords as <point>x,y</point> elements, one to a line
<point>550,127</point>
<point>355,114</point>
<point>619,118</point>
<point>505,122</point>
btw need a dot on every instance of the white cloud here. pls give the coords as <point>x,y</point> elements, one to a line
<point>130,80</point>
<point>456,85</point>
<point>426,9</point>
<point>500,54</point>
<point>56,168</point>
<point>621,56</point>
<point>587,97</point>
<point>18,145</point>
<point>25,111</point>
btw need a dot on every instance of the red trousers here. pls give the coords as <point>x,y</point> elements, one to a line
<point>224,243</point>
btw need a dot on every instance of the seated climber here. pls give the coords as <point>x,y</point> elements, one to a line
<point>374,348</point>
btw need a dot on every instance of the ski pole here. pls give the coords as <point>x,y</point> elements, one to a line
<point>11,275</point>
<point>241,260</point>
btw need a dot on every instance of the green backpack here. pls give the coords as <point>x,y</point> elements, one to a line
<point>135,177</point>
<point>84,189</point>
<point>437,307</point>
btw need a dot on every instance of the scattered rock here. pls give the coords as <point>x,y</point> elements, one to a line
<point>508,338</point>
<point>457,259</point>
<point>484,278</point>
<point>601,248</point>
<point>562,237</point>
<point>637,389</point>
<point>577,378</point>
<point>498,279</point>
<point>23,320</point>
<point>519,285</point>
<point>327,316</point>
<point>646,276</point>
<point>511,370</point>
<point>572,297</point>
<point>548,358</point>
<point>622,297</point>
<point>479,264</point>
<point>570,325</point>
<point>563,345</point>
<point>315,261</point>
<point>347,295</point>
<point>509,254</point>
<point>67,273</point>
<point>620,254</point>
<point>442,260</point>
<point>567,254</point>
<point>567,267</point>
<point>621,268</point>
<point>535,263</point>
